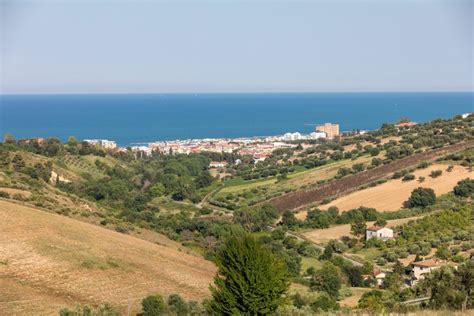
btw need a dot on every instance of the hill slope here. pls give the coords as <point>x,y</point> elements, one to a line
<point>48,261</point>
<point>391,195</point>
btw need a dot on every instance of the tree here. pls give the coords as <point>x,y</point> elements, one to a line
<point>289,219</point>
<point>324,303</point>
<point>327,279</point>
<point>153,305</point>
<point>464,188</point>
<point>371,302</point>
<point>358,228</point>
<point>354,275</point>
<point>422,197</point>
<point>466,274</point>
<point>327,254</point>
<point>250,279</point>
<point>178,305</point>
<point>444,285</point>
<point>381,222</point>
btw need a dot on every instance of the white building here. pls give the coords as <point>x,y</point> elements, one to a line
<point>377,275</point>
<point>217,164</point>
<point>383,233</point>
<point>104,143</point>
<point>423,267</point>
<point>291,136</point>
<point>141,150</point>
<point>317,135</point>
<point>466,115</point>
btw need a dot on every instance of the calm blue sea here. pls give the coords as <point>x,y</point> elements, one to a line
<point>138,118</point>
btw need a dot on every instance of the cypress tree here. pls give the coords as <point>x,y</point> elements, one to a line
<point>250,279</point>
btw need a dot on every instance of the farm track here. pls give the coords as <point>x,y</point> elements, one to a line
<point>349,184</point>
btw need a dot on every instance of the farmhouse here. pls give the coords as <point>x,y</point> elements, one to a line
<point>217,164</point>
<point>383,233</point>
<point>423,267</point>
<point>377,275</point>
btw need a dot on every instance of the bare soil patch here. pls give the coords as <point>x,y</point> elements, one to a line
<point>321,236</point>
<point>47,260</point>
<point>391,195</point>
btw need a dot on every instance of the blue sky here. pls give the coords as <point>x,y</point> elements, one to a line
<point>235,46</point>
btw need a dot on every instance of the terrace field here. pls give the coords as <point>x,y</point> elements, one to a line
<point>48,261</point>
<point>391,195</point>
<point>251,192</point>
<point>346,185</point>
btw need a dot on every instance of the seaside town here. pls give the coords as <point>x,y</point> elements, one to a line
<point>257,147</point>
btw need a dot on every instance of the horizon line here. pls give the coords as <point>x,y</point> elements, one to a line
<point>230,92</point>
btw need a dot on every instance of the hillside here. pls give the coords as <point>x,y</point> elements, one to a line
<point>48,261</point>
<point>391,195</point>
<point>348,184</point>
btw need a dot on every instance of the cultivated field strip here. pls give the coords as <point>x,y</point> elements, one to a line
<point>349,184</point>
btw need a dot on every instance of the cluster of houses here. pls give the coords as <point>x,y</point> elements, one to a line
<point>419,268</point>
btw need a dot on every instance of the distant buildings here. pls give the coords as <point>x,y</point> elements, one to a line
<point>331,130</point>
<point>466,115</point>
<point>104,143</point>
<point>405,124</point>
<point>383,233</point>
<point>317,135</point>
<point>291,136</point>
<point>141,151</point>
<point>217,164</point>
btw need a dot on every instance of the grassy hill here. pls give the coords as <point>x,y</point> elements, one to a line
<point>48,261</point>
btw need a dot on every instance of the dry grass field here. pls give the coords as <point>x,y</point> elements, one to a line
<point>322,236</point>
<point>11,192</point>
<point>48,261</point>
<point>391,195</point>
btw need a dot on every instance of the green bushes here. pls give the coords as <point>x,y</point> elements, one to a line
<point>422,197</point>
<point>464,188</point>
<point>436,173</point>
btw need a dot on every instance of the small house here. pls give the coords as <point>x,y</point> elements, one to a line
<point>420,268</point>
<point>383,233</point>
<point>377,275</point>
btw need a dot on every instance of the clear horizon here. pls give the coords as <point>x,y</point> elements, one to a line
<point>229,92</point>
<point>283,47</point>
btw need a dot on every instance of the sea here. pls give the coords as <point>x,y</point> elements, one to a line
<point>132,119</point>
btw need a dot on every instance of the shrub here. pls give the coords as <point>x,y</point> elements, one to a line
<point>153,305</point>
<point>422,197</point>
<point>408,177</point>
<point>4,195</point>
<point>324,303</point>
<point>464,188</point>
<point>436,173</point>
<point>178,305</point>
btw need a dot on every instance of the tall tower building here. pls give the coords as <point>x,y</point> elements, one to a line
<point>331,130</point>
